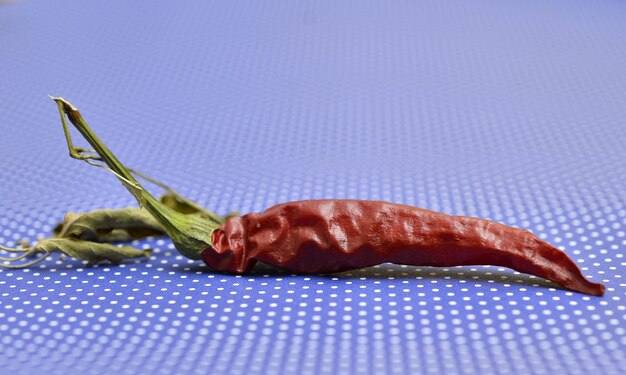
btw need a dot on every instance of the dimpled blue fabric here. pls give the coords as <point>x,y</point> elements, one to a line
<point>513,111</point>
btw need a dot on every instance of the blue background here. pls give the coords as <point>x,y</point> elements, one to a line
<point>513,111</point>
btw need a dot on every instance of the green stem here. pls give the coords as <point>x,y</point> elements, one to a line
<point>184,201</point>
<point>191,234</point>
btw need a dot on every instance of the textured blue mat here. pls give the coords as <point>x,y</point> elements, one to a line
<point>509,110</point>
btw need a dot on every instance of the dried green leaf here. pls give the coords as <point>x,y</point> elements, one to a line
<point>185,206</point>
<point>92,252</point>
<point>109,225</point>
<point>181,206</point>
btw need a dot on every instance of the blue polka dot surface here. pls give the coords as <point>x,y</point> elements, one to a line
<point>512,111</point>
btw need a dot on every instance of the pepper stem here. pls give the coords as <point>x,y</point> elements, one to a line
<point>191,234</point>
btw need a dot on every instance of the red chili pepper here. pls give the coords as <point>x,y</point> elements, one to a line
<point>324,236</point>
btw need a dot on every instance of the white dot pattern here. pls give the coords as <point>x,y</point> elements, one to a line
<point>512,112</point>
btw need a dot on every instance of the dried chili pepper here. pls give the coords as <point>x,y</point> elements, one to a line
<point>323,236</point>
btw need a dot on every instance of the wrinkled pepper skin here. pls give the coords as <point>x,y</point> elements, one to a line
<point>325,236</point>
